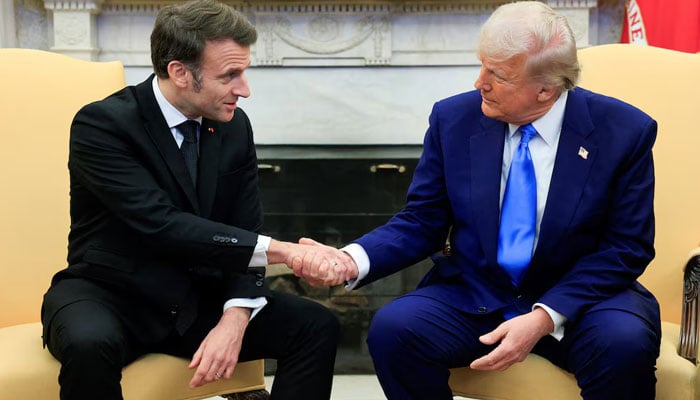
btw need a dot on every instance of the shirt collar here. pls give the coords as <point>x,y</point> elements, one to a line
<point>549,125</point>
<point>172,115</point>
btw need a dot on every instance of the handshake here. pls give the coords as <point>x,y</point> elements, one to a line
<point>319,264</point>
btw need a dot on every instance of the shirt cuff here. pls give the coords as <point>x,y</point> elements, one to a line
<point>259,258</point>
<point>255,304</point>
<point>359,255</point>
<point>558,319</point>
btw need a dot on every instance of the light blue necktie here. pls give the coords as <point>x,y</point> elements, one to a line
<point>516,235</point>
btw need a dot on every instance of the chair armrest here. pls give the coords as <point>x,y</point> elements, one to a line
<point>688,346</point>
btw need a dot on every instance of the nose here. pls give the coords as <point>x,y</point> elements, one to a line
<point>480,83</point>
<point>241,88</point>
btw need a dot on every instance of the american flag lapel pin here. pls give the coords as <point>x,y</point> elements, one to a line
<point>583,153</point>
<point>211,131</point>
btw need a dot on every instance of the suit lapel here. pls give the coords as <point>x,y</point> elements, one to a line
<point>570,173</point>
<point>209,146</point>
<point>486,155</point>
<point>157,128</point>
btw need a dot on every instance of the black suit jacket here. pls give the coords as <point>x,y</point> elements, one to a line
<point>142,239</point>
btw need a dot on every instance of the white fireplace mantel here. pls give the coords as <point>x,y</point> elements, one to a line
<point>304,33</point>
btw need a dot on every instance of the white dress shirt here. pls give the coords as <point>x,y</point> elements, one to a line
<point>259,259</point>
<point>543,149</point>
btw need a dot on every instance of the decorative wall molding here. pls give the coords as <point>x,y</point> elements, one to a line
<point>75,27</point>
<point>304,33</point>
<point>8,34</point>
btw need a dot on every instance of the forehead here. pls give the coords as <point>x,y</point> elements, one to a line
<point>512,67</point>
<point>225,54</point>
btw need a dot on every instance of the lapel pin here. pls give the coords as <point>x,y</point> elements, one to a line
<point>583,153</point>
<point>211,131</point>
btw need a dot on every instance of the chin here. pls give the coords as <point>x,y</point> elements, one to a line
<point>487,111</point>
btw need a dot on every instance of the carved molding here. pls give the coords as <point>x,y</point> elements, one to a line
<point>365,38</point>
<point>304,33</point>
<point>689,335</point>
<point>352,6</point>
<point>8,34</point>
<point>75,27</point>
<point>91,6</point>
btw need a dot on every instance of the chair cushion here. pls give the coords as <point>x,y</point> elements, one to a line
<point>536,378</point>
<point>28,371</point>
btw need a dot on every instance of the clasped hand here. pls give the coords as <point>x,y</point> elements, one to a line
<point>319,264</point>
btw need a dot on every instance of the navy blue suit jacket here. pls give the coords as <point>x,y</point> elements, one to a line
<point>597,231</point>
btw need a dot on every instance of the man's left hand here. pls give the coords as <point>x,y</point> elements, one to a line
<point>217,356</point>
<point>517,336</point>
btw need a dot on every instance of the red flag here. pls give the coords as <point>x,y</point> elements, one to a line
<point>671,24</point>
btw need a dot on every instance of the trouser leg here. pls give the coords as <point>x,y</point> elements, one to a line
<point>414,340</point>
<point>93,346</point>
<point>611,352</point>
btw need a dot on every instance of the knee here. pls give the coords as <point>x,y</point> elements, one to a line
<point>386,332</point>
<point>632,348</point>
<point>87,348</point>
<point>624,347</point>
<point>322,322</point>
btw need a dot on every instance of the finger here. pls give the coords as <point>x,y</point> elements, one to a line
<point>489,362</point>
<point>307,266</point>
<point>325,270</point>
<point>196,358</point>
<point>229,371</point>
<point>198,377</point>
<point>319,266</point>
<point>309,241</point>
<point>493,336</point>
<point>314,282</point>
<point>205,371</point>
<point>297,265</point>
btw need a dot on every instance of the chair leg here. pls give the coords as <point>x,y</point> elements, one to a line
<point>260,394</point>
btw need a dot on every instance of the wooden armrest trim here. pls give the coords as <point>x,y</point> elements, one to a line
<point>261,394</point>
<point>688,346</point>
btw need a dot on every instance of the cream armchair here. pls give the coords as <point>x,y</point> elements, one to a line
<point>666,85</point>
<point>40,92</point>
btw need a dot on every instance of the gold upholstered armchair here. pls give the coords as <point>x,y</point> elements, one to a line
<point>40,92</point>
<point>666,85</point>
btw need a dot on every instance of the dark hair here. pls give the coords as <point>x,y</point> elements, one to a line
<point>181,32</point>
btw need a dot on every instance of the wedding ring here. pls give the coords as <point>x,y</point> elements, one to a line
<point>218,375</point>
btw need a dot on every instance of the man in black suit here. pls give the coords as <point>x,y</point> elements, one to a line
<point>164,256</point>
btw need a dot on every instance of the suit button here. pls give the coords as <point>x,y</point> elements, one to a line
<point>173,312</point>
<point>234,240</point>
<point>482,310</point>
<point>258,283</point>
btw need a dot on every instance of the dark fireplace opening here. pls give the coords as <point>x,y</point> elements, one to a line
<point>334,194</point>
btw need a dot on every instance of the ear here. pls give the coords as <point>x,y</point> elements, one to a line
<point>179,74</point>
<point>548,93</point>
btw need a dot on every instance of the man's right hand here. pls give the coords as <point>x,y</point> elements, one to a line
<point>319,264</point>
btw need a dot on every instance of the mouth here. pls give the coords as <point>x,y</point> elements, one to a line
<point>485,100</point>
<point>230,106</point>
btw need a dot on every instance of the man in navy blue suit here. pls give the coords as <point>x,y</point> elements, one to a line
<point>576,300</point>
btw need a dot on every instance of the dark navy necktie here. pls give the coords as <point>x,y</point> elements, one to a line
<point>516,236</point>
<point>189,147</point>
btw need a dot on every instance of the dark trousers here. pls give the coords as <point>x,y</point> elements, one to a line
<point>93,347</point>
<point>414,340</point>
